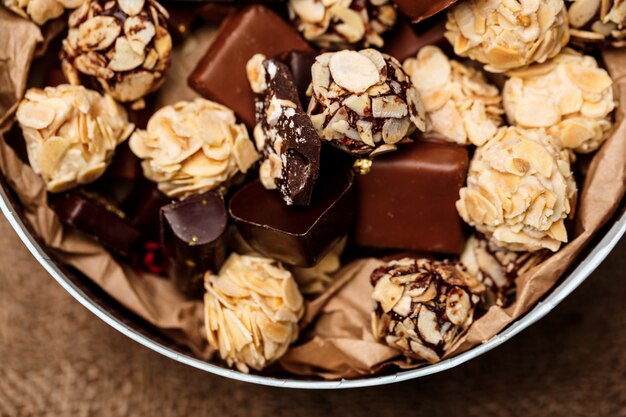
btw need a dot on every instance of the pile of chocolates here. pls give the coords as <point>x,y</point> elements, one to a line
<point>324,132</point>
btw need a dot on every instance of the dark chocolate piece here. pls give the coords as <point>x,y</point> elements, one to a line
<point>406,39</point>
<point>97,219</point>
<point>298,236</point>
<point>192,233</point>
<point>182,16</point>
<point>419,10</point>
<point>407,200</point>
<point>299,64</point>
<point>280,117</point>
<point>221,73</point>
<point>143,207</point>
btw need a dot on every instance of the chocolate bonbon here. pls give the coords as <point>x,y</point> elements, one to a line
<point>252,310</point>
<point>507,35</point>
<point>71,133</point>
<point>423,306</point>
<point>520,190</point>
<point>460,104</point>
<point>288,142</point>
<point>296,235</point>
<point>342,24</point>
<point>221,73</point>
<point>98,219</point>
<point>193,235</point>
<point>571,96</point>
<point>407,200</point>
<point>363,102</point>
<point>193,147</point>
<point>124,45</point>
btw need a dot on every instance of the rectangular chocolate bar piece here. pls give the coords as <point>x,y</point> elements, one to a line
<point>221,73</point>
<point>407,200</point>
<point>101,221</point>
<point>192,233</point>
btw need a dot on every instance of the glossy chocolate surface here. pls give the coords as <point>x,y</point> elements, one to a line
<point>407,201</point>
<point>407,39</point>
<point>221,73</point>
<point>300,64</point>
<point>98,219</point>
<point>419,10</point>
<point>292,234</point>
<point>192,233</point>
<point>300,143</point>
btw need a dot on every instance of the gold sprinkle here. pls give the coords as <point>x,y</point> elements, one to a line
<point>362,166</point>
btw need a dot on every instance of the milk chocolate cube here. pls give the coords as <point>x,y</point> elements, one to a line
<point>407,200</point>
<point>221,73</point>
<point>296,235</point>
<point>192,233</point>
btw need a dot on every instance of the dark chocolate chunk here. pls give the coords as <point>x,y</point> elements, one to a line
<point>296,235</point>
<point>285,135</point>
<point>407,39</point>
<point>98,219</point>
<point>143,207</point>
<point>221,73</point>
<point>192,233</point>
<point>419,10</point>
<point>407,200</point>
<point>299,64</point>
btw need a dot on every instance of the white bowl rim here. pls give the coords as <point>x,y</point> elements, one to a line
<point>573,280</point>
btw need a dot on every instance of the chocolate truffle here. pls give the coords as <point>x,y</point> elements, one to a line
<point>460,104</point>
<point>289,145</point>
<point>192,147</point>
<point>594,22</point>
<point>296,235</point>
<point>497,268</point>
<point>340,24</point>
<point>508,35</point>
<point>71,133</point>
<point>422,306</point>
<point>40,11</point>
<point>407,200</point>
<point>124,45</point>
<point>252,310</point>
<point>221,73</point>
<point>520,189</point>
<point>363,102</point>
<point>193,235</point>
<point>571,96</point>
<point>98,219</point>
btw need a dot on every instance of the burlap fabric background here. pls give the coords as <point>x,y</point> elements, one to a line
<point>57,359</point>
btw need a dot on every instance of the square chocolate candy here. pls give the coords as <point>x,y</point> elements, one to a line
<point>407,200</point>
<point>221,73</point>
<point>296,235</point>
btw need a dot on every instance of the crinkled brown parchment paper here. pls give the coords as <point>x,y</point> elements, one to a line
<point>338,342</point>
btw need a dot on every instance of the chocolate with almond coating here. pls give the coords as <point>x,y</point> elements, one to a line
<point>284,134</point>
